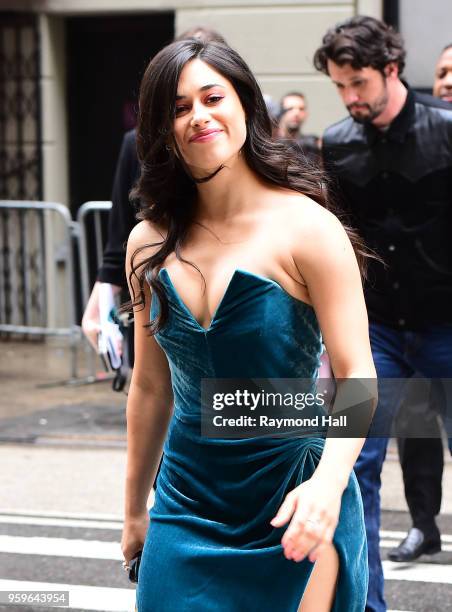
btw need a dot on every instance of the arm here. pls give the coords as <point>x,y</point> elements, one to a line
<point>121,220</point>
<point>149,410</point>
<point>326,261</point>
<point>329,268</point>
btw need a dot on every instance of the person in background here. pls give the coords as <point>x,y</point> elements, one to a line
<point>442,87</point>
<point>393,172</point>
<point>424,499</point>
<point>122,219</point>
<point>293,113</point>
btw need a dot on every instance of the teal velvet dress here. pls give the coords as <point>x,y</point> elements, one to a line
<point>210,546</point>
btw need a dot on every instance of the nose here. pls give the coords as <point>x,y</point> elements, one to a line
<point>448,80</point>
<point>201,116</point>
<point>350,97</point>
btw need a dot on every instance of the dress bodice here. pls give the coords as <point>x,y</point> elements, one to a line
<point>258,331</point>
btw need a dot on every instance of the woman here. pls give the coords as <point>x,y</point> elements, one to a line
<point>239,269</point>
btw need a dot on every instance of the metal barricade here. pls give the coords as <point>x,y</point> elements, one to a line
<point>36,239</point>
<point>96,210</point>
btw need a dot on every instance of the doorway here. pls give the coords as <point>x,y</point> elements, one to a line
<point>106,58</point>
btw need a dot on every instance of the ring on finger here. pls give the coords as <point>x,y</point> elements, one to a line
<point>314,522</point>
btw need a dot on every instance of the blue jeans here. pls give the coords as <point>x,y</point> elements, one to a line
<point>397,354</point>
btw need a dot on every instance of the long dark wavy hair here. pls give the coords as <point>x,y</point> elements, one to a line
<point>166,189</point>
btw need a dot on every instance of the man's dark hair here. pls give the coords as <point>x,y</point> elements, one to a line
<point>291,93</point>
<point>361,42</point>
<point>449,46</point>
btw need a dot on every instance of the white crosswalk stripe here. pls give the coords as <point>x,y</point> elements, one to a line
<point>60,547</point>
<point>59,522</point>
<point>76,516</point>
<point>418,572</point>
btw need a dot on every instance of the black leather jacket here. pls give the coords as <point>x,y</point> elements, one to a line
<point>397,185</point>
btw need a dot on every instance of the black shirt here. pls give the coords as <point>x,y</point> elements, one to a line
<point>397,185</point>
<point>122,214</point>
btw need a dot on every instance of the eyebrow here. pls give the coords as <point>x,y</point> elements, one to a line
<point>352,80</point>
<point>203,88</point>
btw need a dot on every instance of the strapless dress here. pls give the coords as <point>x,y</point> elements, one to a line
<point>210,546</point>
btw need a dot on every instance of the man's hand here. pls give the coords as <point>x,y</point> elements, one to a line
<point>90,320</point>
<point>92,324</point>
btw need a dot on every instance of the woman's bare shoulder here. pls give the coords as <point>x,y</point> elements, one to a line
<point>146,236</point>
<point>303,216</point>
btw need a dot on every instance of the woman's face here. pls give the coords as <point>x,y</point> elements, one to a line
<point>209,123</point>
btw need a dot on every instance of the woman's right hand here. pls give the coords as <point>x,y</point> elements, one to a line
<point>134,534</point>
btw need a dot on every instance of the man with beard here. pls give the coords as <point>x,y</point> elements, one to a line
<point>392,158</point>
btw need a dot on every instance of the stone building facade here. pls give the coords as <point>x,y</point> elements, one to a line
<point>277,39</point>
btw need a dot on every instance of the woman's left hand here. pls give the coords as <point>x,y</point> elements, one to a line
<point>313,510</point>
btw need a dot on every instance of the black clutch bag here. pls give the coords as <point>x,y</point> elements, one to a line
<point>134,566</point>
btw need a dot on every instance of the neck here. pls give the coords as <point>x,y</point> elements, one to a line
<point>397,93</point>
<point>228,193</point>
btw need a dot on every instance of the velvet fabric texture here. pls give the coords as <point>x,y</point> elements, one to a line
<point>210,546</point>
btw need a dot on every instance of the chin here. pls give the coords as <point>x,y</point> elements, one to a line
<point>206,166</point>
<point>211,163</point>
<point>363,117</point>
